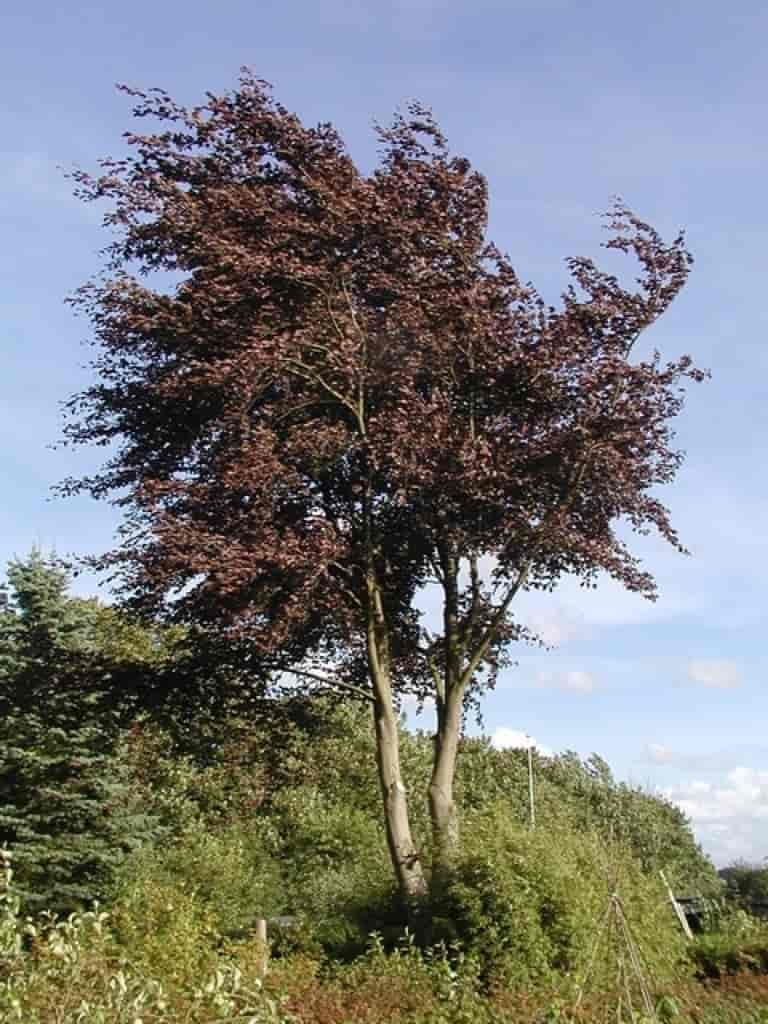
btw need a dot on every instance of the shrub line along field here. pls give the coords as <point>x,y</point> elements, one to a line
<point>169,822</point>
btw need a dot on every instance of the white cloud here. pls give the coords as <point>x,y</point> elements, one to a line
<point>730,816</point>
<point>660,754</point>
<point>504,738</point>
<point>744,792</point>
<point>708,762</point>
<point>572,680</point>
<point>36,176</point>
<point>555,626</point>
<point>716,673</point>
<point>610,604</point>
<point>573,610</point>
<point>420,714</point>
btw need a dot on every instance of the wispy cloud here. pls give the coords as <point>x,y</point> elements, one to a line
<point>557,625</point>
<point>717,673</point>
<point>610,605</point>
<point>709,762</point>
<point>659,754</point>
<point>573,680</point>
<point>34,176</point>
<point>411,702</point>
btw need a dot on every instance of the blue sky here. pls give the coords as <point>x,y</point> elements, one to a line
<point>561,105</point>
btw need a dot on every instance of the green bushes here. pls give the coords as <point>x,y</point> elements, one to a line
<point>156,959</point>
<point>191,826</point>
<point>163,929</point>
<point>230,874</point>
<point>338,879</point>
<point>535,905</point>
<point>531,906</point>
<point>746,884</point>
<point>584,796</point>
<point>151,961</point>
<point>739,943</point>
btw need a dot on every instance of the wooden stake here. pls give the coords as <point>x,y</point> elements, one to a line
<point>678,909</point>
<point>262,947</point>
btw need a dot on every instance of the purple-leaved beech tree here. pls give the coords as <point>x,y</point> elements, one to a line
<point>339,392</point>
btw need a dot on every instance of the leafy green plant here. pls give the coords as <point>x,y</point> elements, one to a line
<point>10,907</point>
<point>163,929</point>
<point>740,943</point>
<point>746,884</point>
<point>336,875</point>
<point>77,974</point>
<point>233,874</point>
<point>534,906</point>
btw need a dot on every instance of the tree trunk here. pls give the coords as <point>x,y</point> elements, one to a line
<point>449,700</point>
<point>406,861</point>
<point>442,807</point>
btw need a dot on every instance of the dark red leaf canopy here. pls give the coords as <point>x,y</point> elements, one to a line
<point>342,364</point>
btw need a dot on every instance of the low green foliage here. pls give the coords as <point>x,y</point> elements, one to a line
<point>229,873</point>
<point>538,906</point>
<point>151,960</point>
<point>163,928</point>
<point>584,796</point>
<point>739,943</point>
<point>746,884</point>
<point>154,961</point>
<point>337,874</point>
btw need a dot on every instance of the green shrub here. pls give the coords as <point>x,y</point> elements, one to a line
<point>337,871</point>
<point>231,874</point>
<point>583,795</point>
<point>78,974</point>
<point>164,930</point>
<point>746,884</point>
<point>740,943</point>
<point>535,905</point>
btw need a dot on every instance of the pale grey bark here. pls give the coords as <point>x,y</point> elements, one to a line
<point>406,862</point>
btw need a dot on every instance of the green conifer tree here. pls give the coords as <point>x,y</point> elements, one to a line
<point>65,806</point>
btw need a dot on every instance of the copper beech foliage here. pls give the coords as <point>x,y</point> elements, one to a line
<point>341,376</point>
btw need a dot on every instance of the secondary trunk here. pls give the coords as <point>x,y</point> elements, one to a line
<point>442,807</point>
<point>449,699</point>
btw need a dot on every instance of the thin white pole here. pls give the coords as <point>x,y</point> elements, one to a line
<point>531,800</point>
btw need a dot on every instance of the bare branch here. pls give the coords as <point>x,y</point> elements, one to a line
<point>331,683</point>
<point>310,374</point>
